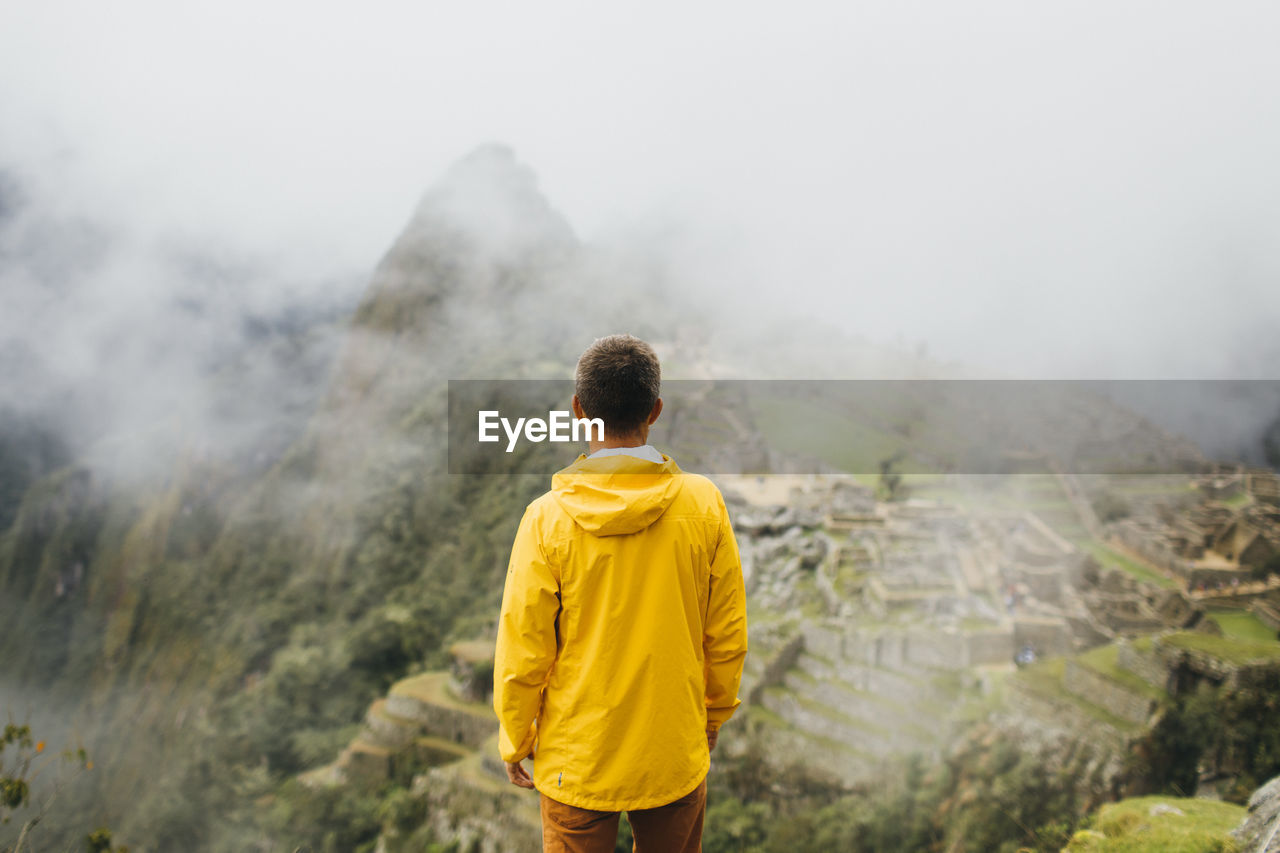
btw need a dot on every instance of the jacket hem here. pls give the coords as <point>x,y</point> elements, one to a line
<point>601,804</point>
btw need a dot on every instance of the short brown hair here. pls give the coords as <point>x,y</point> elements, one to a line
<point>618,380</point>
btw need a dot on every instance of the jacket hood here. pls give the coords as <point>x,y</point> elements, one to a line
<point>613,495</point>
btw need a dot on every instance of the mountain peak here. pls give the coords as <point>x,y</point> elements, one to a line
<point>493,201</point>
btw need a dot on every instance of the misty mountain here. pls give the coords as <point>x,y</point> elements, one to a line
<point>240,531</point>
<point>270,602</point>
<point>126,350</point>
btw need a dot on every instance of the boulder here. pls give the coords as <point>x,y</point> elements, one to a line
<point>1261,828</point>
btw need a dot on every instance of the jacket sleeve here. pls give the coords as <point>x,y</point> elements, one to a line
<point>724,641</point>
<point>526,645</point>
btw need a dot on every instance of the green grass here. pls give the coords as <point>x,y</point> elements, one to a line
<point>1102,660</point>
<point>1129,827</point>
<point>1110,558</point>
<point>1243,625</point>
<point>1240,500</point>
<point>1140,485</point>
<point>1225,648</point>
<point>1045,678</point>
<point>433,689</point>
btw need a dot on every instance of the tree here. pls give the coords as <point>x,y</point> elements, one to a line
<point>22,760</point>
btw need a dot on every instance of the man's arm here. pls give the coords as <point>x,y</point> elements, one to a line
<point>526,646</point>
<point>724,640</point>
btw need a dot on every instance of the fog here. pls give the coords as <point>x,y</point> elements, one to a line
<point>1033,191</point>
<point>195,196</point>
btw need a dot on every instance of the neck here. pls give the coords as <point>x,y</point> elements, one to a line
<point>636,439</point>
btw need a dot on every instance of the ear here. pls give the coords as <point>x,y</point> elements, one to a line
<point>657,410</point>
<point>577,408</point>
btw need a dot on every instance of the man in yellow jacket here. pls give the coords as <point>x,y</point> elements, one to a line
<point>623,628</point>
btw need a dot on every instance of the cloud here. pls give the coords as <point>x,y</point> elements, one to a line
<point>1086,191</point>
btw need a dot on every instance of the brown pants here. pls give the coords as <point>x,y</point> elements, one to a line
<point>673,828</point>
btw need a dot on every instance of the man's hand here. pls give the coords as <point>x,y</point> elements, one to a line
<point>518,775</point>
<point>713,735</point>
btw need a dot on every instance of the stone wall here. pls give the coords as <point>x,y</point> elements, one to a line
<point>1061,714</point>
<point>826,587</point>
<point>1145,665</point>
<point>938,651</point>
<point>1267,612</point>
<point>1211,577</point>
<point>1112,697</point>
<point>823,640</point>
<point>1150,547</point>
<point>1048,637</point>
<point>813,718</point>
<point>442,721</point>
<point>887,650</point>
<point>989,647</point>
<point>1203,666</point>
<point>889,684</point>
<point>902,650</point>
<point>775,671</point>
<point>1044,583</point>
<point>1088,630</point>
<point>876,707</point>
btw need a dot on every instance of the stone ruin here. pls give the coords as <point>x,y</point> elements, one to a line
<point>471,670</point>
<point>1264,485</point>
<point>425,721</point>
<point>1209,545</point>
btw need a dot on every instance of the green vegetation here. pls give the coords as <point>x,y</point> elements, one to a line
<point>22,760</point>
<point>272,620</point>
<point>1111,506</point>
<point>1160,825</point>
<point>1110,558</point>
<point>333,820</point>
<point>1228,649</point>
<point>1239,501</point>
<point>1231,731</point>
<point>989,793</point>
<point>1045,678</point>
<point>1234,731</point>
<point>432,688</point>
<point>1102,660</point>
<point>1243,625</point>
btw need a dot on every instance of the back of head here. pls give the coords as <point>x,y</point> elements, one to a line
<point>618,380</point>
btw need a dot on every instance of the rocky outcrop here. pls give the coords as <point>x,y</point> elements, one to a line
<point>1260,832</point>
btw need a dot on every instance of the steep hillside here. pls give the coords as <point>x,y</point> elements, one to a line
<point>213,632</point>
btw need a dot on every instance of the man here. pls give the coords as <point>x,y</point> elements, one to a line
<point>623,628</point>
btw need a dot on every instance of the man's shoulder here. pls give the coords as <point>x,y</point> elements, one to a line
<point>700,484</point>
<point>543,505</point>
<point>701,492</point>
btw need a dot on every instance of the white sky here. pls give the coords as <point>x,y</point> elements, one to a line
<point>1086,189</point>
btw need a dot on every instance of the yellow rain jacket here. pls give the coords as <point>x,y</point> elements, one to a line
<point>622,635</point>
